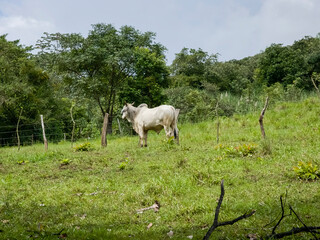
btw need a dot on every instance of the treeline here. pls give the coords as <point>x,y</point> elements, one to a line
<point>89,76</point>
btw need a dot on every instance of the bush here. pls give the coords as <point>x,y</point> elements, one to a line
<point>123,164</point>
<point>307,171</point>
<point>84,147</point>
<point>243,150</point>
<point>65,162</point>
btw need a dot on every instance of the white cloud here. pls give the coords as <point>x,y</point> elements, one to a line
<point>28,29</point>
<point>233,28</point>
<point>283,21</point>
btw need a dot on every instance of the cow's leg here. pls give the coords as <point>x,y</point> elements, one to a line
<point>142,136</point>
<point>176,134</point>
<point>168,131</point>
<point>139,143</point>
<point>175,126</point>
<point>145,138</point>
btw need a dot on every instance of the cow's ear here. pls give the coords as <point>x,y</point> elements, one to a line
<point>132,103</point>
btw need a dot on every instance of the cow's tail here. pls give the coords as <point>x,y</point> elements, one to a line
<point>175,129</point>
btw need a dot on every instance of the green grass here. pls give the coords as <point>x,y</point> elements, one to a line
<point>95,194</point>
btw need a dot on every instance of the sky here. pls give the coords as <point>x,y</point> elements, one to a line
<point>234,29</point>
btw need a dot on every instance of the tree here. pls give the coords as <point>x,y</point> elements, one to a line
<point>98,66</point>
<point>190,66</point>
<point>290,64</point>
<point>151,76</point>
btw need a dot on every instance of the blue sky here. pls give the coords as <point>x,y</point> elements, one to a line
<point>233,28</point>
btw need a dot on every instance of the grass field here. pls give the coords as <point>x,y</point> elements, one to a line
<point>66,194</point>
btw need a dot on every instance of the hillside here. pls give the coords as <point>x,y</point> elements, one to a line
<point>96,194</point>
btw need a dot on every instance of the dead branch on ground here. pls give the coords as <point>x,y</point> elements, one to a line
<point>216,222</point>
<point>155,207</point>
<point>305,228</point>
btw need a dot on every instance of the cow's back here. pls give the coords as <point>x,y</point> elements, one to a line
<point>155,118</point>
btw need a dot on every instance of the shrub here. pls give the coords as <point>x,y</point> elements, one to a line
<point>84,147</point>
<point>241,150</point>
<point>306,171</point>
<point>246,149</point>
<point>123,164</point>
<point>65,161</point>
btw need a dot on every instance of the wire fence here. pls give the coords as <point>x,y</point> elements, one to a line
<point>30,134</point>
<point>56,131</point>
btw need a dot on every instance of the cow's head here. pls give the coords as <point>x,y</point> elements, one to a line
<point>126,111</point>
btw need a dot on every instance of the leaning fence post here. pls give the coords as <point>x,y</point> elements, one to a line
<point>44,134</point>
<point>261,118</point>
<point>120,130</point>
<point>17,129</point>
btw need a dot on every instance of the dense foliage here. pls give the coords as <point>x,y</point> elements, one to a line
<point>203,87</point>
<point>25,93</point>
<point>88,76</point>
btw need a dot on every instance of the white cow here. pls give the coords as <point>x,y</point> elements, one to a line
<point>144,119</point>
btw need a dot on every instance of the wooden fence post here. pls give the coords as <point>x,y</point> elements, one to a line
<point>120,130</point>
<point>17,129</point>
<point>315,86</point>
<point>261,118</point>
<point>73,124</point>
<point>44,134</point>
<point>218,121</point>
<point>104,131</point>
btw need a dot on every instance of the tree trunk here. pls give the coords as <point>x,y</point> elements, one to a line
<point>109,129</point>
<point>104,131</point>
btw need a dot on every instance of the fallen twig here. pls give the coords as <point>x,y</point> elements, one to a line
<point>155,207</point>
<point>216,216</point>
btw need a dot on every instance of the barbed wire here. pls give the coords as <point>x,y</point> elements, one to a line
<point>46,123</point>
<point>40,129</point>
